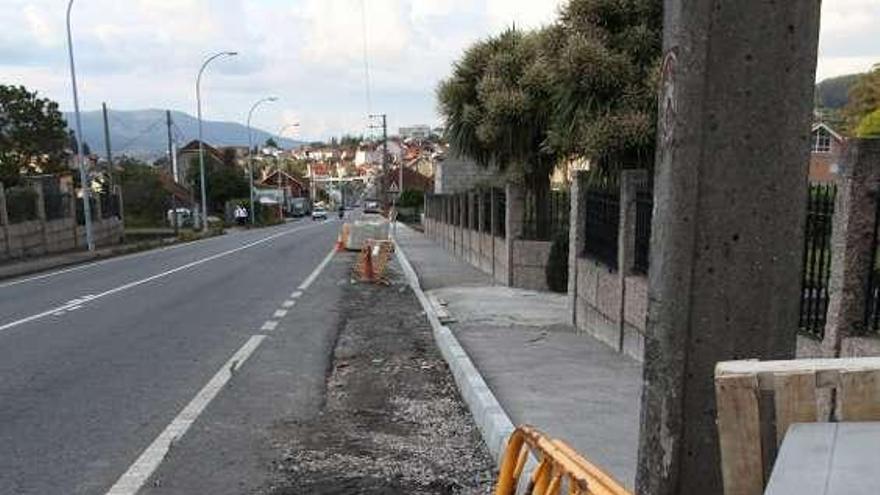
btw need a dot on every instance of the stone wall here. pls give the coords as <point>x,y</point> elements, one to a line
<point>37,238</point>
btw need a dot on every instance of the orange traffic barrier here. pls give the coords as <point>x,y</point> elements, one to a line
<point>560,468</point>
<point>373,259</point>
<point>342,239</point>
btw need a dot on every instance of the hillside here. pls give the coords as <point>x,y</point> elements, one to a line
<point>143,134</point>
<point>833,93</point>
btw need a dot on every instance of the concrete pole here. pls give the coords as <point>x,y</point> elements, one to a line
<point>736,101</point>
<point>852,244</point>
<point>83,174</point>
<point>626,240</point>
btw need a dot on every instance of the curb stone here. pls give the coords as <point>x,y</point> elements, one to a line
<point>494,423</point>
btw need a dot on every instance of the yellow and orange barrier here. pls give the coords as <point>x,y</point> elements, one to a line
<point>559,468</point>
<point>342,239</point>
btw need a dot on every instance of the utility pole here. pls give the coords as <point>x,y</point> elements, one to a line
<point>383,193</point>
<point>107,147</point>
<point>173,175</point>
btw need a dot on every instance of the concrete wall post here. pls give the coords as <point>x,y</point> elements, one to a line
<point>626,239</point>
<point>495,227</point>
<point>4,220</point>
<point>576,231</point>
<point>37,186</point>
<point>516,197</point>
<point>852,243</point>
<point>730,195</point>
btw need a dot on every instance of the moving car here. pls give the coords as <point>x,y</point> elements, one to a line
<point>319,214</point>
<point>372,206</point>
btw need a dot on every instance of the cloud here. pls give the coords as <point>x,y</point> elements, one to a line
<point>145,53</point>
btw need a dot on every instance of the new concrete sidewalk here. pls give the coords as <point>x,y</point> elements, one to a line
<point>542,373</point>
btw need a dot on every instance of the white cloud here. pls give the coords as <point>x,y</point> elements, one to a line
<point>145,53</point>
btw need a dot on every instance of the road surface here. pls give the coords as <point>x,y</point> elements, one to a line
<point>160,371</point>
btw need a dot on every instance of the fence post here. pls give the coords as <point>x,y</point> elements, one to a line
<point>514,217</point>
<point>852,244</point>
<point>576,231</point>
<point>730,196</point>
<point>37,186</point>
<point>626,240</point>
<point>4,220</point>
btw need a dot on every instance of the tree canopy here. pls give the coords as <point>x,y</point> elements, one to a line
<point>583,87</point>
<point>869,127</point>
<point>864,97</point>
<point>33,134</point>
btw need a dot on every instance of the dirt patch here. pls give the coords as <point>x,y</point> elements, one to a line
<point>393,422</point>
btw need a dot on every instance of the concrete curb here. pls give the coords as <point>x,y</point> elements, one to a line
<point>494,423</point>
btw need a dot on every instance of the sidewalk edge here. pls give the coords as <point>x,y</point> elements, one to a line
<point>494,423</point>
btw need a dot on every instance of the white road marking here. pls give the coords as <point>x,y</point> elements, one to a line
<point>269,326</point>
<point>288,304</point>
<point>281,313</point>
<point>311,279</point>
<point>138,473</point>
<point>136,283</point>
<point>296,294</point>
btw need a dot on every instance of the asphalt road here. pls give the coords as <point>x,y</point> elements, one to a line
<point>100,363</point>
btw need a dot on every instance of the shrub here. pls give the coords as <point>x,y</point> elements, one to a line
<point>557,264</point>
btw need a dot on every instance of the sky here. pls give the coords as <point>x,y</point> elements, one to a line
<point>138,54</point>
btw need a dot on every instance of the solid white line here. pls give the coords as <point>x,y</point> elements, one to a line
<point>281,313</point>
<point>288,304</point>
<point>133,479</point>
<point>136,283</point>
<point>269,325</point>
<point>308,282</point>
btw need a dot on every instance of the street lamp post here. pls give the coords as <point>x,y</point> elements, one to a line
<point>201,143</point>
<point>251,151</point>
<point>83,175</point>
<point>281,194</point>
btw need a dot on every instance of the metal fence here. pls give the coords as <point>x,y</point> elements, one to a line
<point>644,217</point>
<point>486,206</point>
<point>57,205</point>
<point>499,196</point>
<point>109,205</point>
<point>21,204</point>
<point>817,259</point>
<point>80,215</point>
<point>537,227</point>
<point>602,221</point>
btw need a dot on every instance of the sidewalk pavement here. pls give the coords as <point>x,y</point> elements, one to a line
<point>569,385</point>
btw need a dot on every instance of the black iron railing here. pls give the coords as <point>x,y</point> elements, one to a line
<point>644,217</point>
<point>602,222</point>
<point>21,204</point>
<point>545,227</point>
<point>817,259</point>
<point>57,205</point>
<point>499,196</point>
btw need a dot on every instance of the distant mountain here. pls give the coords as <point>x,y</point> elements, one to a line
<point>833,93</point>
<point>143,134</point>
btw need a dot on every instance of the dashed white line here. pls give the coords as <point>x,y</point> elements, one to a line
<point>281,313</point>
<point>133,479</point>
<point>296,294</point>
<point>288,303</point>
<point>269,326</point>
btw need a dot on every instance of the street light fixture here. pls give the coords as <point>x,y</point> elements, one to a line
<point>83,175</point>
<point>281,194</point>
<point>201,143</point>
<point>251,149</point>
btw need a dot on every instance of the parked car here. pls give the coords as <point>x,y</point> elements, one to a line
<point>372,206</point>
<point>319,214</point>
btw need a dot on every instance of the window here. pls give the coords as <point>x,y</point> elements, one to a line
<point>821,141</point>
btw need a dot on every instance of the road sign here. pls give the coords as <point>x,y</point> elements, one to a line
<point>394,188</point>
